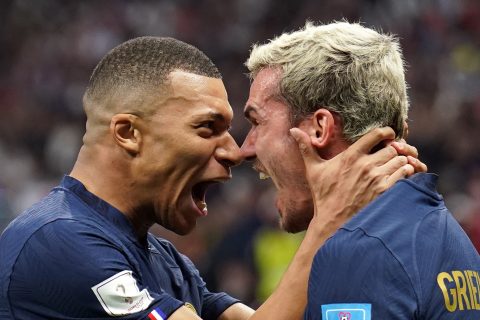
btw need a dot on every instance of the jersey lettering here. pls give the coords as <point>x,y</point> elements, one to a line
<point>460,289</point>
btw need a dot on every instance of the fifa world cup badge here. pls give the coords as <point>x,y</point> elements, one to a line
<point>347,311</point>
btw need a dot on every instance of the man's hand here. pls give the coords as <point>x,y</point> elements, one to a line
<point>340,187</point>
<point>353,178</point>
<point>403,148</point>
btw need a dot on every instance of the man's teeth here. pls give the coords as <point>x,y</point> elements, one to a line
<point>203,206</point>
<point>263,176</point>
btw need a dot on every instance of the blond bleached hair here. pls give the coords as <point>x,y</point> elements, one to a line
<point>344,67</point>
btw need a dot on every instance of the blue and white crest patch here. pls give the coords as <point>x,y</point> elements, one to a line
<point>347,311</point>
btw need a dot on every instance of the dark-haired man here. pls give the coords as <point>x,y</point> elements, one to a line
<point>156,138</point>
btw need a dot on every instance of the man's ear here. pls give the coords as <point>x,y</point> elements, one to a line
<point>323,128</point>
<point>125,132</point>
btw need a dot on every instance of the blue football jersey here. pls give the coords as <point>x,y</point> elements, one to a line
<point>402,257</point>
<point>73,256</point>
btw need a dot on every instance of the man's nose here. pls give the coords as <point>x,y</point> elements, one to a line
<point>229,153</point>
<point>248,148</point>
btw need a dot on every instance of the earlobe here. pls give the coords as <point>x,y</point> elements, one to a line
<point>125,133</point>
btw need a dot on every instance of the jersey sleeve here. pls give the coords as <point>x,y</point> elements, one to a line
<point>355,276</point>
<point>71,270</point>
<point>214,303</point>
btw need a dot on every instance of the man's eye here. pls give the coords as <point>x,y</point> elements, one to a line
<point>209,125</point>
<point>207,129</point>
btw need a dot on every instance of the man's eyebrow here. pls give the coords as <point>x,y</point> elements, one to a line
<point>215,116</point>
<point>212,115</point>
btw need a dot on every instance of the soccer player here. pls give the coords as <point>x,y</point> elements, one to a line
<point>156,138</point>
<point>401,257</point>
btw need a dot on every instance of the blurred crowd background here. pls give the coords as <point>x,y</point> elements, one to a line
<point>48,48</point>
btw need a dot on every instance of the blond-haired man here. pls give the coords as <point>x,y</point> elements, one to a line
<point>403,256</point>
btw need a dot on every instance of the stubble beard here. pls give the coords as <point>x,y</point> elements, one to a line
<point>296,216</point>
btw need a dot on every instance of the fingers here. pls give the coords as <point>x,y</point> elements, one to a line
<point>391,166</point>
<point>401,173</point>
<point>305,145</point>
<point>411,152</point>
<point>383,155</point>
<point>397,168</point>
<point>366,143</point>
<point>405,149</point>
<point>389,152</point>
<point>388,174</point>
<point>417,165</point>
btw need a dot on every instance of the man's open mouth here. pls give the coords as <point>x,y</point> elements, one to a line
<point>257,166</point>
<point>199,191</point>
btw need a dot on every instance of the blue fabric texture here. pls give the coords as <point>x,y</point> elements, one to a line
<point>54,255</point>
<point>404,254</point>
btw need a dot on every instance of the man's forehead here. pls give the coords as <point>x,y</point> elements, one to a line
<point>205,93</point>
<point>267,79</point>
<point>192,84</point>
<point>265,86</point>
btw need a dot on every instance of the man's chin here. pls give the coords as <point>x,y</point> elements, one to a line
<point>293,225</point>
<point>181,228</point>
<point>295,216</point>
<point>292,229</point>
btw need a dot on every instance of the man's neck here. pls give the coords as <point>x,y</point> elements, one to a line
<point>109,181</point>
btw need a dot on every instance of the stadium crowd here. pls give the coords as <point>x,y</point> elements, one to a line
<point>49,48</point>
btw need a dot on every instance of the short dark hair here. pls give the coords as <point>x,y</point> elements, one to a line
<point>146,61</point>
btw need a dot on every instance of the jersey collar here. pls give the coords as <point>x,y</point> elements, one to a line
<point>103,208</point>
